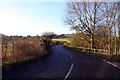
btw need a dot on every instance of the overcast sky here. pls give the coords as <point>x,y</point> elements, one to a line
<point>32,18</point>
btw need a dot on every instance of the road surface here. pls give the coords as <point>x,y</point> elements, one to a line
<point>65,64</point>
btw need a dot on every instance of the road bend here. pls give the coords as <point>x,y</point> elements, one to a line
<point>64,63</point>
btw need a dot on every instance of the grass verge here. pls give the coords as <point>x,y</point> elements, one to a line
<point>6,66</point>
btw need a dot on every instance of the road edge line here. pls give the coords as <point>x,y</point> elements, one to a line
<point>110,63</point>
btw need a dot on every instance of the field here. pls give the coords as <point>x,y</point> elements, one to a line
<point>67,40</point>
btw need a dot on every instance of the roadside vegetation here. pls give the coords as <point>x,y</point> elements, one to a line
<point>19,49</point>
<point>97,28</point>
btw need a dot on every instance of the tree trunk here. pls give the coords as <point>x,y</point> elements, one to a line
<point>93,27</point>
<point>92,41</point>
<point>13,48</point>
<point>115,40</point>
<point>110,41</point>
<point>119,41</point>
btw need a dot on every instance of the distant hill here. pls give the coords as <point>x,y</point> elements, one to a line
<point>70,35</point>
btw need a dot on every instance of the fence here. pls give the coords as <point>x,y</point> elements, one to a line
<point>82,49</point>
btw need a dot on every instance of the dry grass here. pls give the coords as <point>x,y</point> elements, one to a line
<point>16,49</point>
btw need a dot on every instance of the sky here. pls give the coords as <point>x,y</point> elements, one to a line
<point>32,17</point>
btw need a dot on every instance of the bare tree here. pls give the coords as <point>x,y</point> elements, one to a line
<point>119,26</point>
<point>115,18</point>
<point>110,14</point>
<point>84,18</point>
<point>47,38</point>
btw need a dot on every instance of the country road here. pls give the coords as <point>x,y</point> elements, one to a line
<point>64,63</point>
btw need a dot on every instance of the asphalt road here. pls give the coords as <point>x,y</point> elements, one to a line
<point>65,64</point>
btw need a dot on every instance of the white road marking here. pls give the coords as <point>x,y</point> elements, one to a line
<point>112,64</point>
<point>69,71</point>
<point>109,63</point>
